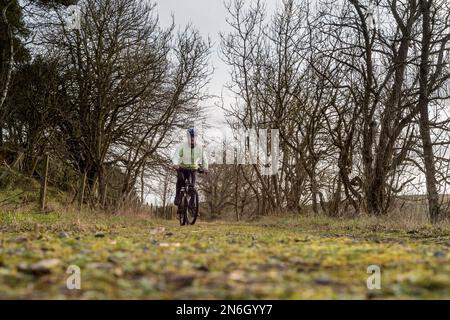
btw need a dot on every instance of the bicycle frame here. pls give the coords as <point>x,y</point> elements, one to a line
<point>188,183</point>
<point>189,200</point>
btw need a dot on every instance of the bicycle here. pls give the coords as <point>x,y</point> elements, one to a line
<point>188,208</point>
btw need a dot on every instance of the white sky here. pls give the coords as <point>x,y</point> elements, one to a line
<point>208,16</point>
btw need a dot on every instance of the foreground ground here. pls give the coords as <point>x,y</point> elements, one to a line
<point>140,258</point>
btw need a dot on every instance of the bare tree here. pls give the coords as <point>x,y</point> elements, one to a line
<point>128,84</point>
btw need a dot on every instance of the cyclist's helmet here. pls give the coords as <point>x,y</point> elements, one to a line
<point>191,132</point>
<point>191,137</point>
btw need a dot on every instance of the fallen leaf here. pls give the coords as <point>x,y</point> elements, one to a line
<point>157,230</point>
<point>40,268</point>
<point>166,244</point>
<point>237,275</point>
<point>181,281</point>
<point>118,272</point>
<point>100,265</point>
<point>21,239</point>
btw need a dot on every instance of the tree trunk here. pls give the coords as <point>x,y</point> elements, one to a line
<point>10,61</point>
<point>164,196</point>
<point>424,122</point>
<point>81,191</point>
<point>102,187</point>
<point>236,194</point>
<point>142,187</point>
<point>314,191</point>
<point>44,180</point>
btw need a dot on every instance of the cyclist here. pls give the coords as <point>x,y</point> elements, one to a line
<point>188,158</point>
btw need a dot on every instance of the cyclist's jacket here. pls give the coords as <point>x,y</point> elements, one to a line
<point>191,158</point>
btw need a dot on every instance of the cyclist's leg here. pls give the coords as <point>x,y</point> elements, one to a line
<point>190,176</point>
<point>180,183</point>
<point>193,177</point>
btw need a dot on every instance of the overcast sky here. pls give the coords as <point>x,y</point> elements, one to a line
<point>208,16</point>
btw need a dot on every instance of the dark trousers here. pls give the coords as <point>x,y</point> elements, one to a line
<point>182,175</point>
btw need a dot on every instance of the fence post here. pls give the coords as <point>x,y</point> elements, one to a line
<point>44,180</point>
<point>81,191</point>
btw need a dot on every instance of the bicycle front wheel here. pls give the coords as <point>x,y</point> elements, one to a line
<point>192,208</point>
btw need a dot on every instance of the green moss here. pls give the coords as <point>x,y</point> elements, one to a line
<point>303,259</point>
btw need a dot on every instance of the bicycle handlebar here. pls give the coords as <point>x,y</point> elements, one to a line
<point>193,170</point>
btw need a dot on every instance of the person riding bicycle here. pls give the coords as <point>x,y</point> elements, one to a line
<point>188,158</point>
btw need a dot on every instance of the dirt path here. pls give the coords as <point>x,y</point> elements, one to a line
<point>139,258</point>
